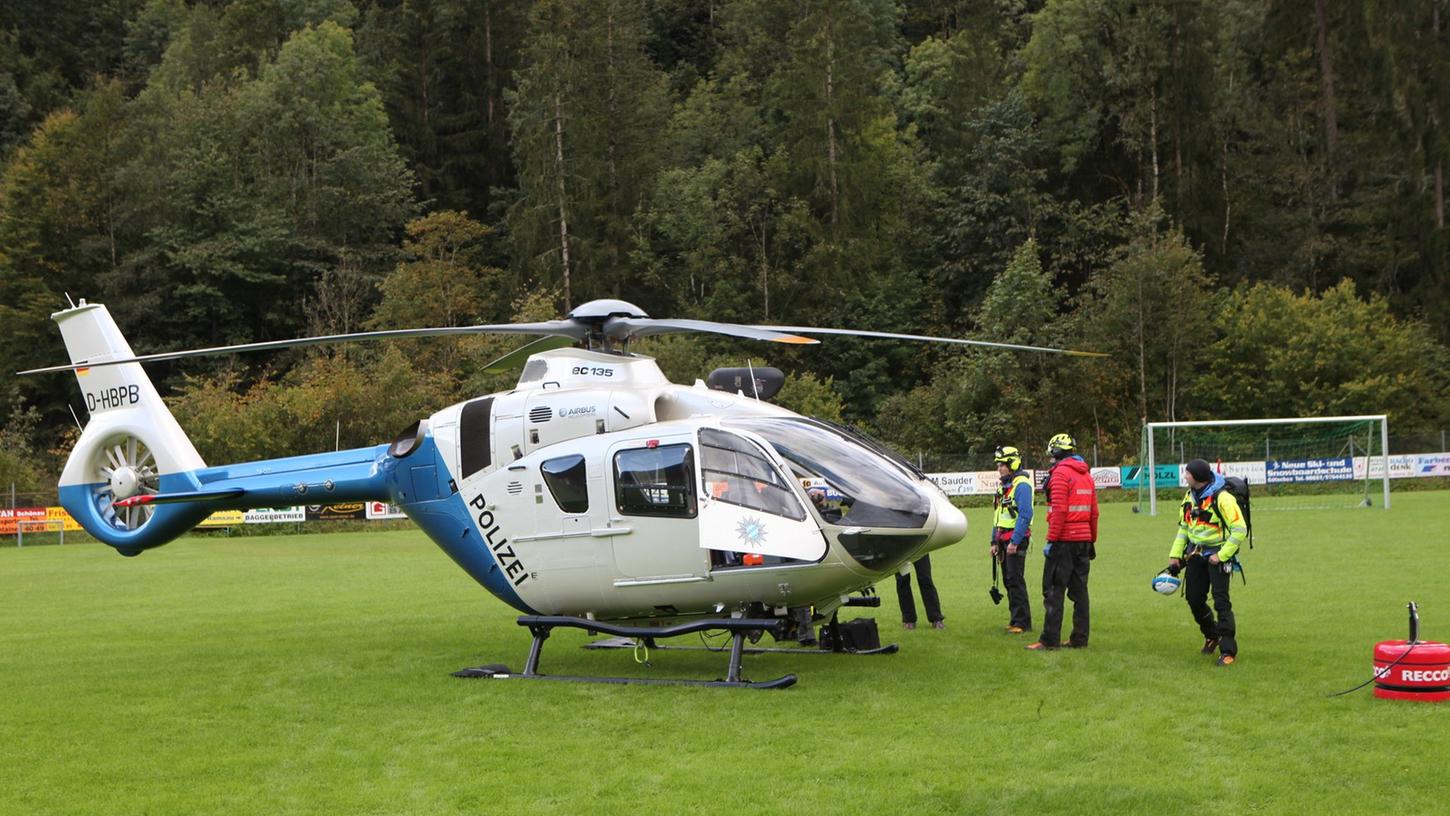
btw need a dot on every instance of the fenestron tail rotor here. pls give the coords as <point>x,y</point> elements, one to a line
<point>123,467</point>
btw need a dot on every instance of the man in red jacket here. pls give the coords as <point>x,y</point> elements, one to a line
<point>1072,530</point>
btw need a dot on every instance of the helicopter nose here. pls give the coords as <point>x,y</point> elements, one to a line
<point>951,524</point>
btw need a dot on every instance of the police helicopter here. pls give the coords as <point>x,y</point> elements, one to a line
<point>595,494</point>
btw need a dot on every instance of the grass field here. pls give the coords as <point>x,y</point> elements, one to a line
<point>310,674</point>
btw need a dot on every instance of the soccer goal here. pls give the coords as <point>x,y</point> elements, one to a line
<point>1311,462</point>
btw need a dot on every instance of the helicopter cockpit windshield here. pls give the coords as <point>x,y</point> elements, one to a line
<point>875,490</point>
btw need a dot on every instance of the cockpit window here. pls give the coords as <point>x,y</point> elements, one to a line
<point>874,444</point>
<point>736,471</point>
<point>874,491</point>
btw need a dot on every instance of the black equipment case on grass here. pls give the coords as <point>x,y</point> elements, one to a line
<point>856,635</point>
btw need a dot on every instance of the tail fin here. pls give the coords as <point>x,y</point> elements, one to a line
<point>131,445</point>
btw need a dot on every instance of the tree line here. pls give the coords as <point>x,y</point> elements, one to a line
<point>1241,202</point>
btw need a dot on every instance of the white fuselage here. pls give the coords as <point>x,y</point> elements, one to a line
<point>604,490</point>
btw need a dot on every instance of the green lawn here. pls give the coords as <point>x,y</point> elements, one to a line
<point>310,674</point>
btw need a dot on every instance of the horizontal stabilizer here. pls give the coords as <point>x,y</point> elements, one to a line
<point>180,498</point>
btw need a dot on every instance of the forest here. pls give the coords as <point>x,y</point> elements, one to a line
<point>1241,202</point>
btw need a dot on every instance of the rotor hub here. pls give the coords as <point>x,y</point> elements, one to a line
<point>125,482</point>
<point>598,311</point>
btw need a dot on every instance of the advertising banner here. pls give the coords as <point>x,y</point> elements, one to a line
<point>1310,470</point>
<point>980,482</point>
<point>59,514</point>
<point>347,511</point>
<point>988,482</point>
<point>272,515</point>
<point>1401,466</point>
<point>1163,476</point>
<point>1039,479</point>
<point>1251,472</point>
<point>1432,464</point>
<point>32,517</point>
<point>383,510</point>
<point>224,518</point>
<point>1105,477</point>
<point>956,484</point>
<point>832,495</point>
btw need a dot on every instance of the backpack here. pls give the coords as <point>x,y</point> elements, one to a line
<point>1239,488</point>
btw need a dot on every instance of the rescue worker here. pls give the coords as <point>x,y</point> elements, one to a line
<point>1072,533</point>
<point>1211,528</point>
<point>1012,533</point>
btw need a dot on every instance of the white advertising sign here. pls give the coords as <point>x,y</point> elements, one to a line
<point>955,484</point>
<point>1251,472</point>
<point>1432,464</point>
<point>383,510</point>
<point>273,515</point>
<point>1402,466</point>
<point>988,482</point>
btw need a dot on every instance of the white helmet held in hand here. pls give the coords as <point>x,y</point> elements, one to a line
<point>1165,584</point>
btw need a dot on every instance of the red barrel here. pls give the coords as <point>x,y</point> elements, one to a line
<point>1423,674</point>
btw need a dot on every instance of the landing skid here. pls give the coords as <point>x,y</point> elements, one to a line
<point>630,643</point>
<point>542,625</point>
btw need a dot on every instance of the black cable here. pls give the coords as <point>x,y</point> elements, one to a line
<point>708,645</point>
<point>1378,674</point>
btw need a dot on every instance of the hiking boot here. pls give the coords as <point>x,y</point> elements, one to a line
<point>1072,645</point>
<point>938,624</point>
<point>911,625</point>
<point>1209,646</point>
<point>1226,660</point>
<point>1015,630</point>
<point>1039,646</point>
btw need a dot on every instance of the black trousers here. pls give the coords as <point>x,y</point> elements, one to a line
<point>1014,569</point>
<point>1200,576</point>
<point>929,597</point>
<point>1066,569</point>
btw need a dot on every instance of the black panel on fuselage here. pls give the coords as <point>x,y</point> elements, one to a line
<point>474,438</point>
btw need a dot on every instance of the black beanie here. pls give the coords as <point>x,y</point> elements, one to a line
<point>1200,470</point>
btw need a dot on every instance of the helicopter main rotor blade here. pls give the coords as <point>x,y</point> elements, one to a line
<point>925,338</point>
<point>562,328</point>
<point>520,355</point>
<point>622,328</point>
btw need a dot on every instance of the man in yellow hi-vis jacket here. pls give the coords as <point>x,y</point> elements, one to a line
<point>1211,528</point>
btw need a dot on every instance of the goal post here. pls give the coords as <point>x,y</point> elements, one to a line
<point>1292,450</point>
<point>38,525</point>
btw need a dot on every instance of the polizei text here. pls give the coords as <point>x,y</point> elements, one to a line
<point>502,551</point>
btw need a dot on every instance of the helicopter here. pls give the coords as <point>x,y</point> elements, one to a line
<point>596,494</point>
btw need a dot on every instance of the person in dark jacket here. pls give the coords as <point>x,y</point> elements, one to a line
<point>1211,529</point>
<point>1072,532</point>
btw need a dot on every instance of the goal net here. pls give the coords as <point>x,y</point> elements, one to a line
<point>1297,463</point>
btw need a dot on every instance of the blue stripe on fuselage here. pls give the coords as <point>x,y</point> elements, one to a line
<point>447,519</point>
<point>418,484</point>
